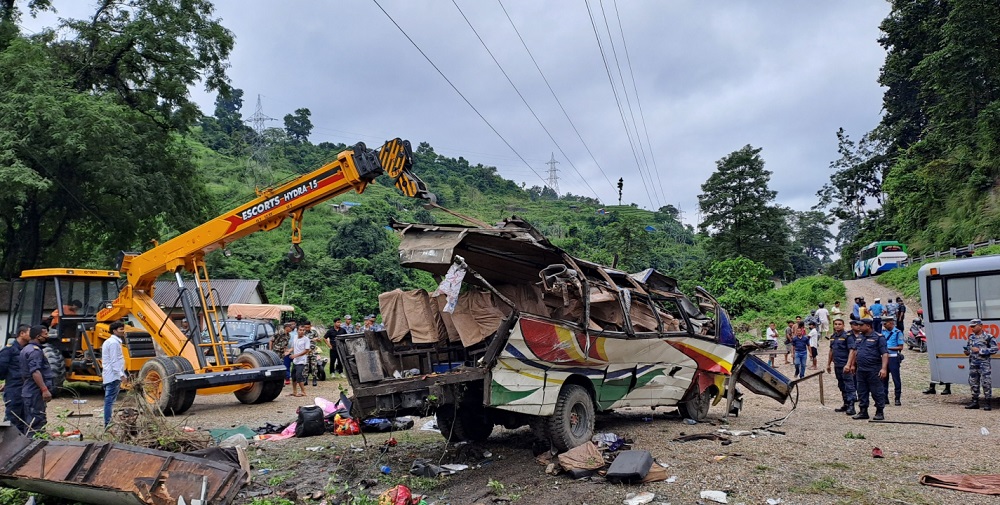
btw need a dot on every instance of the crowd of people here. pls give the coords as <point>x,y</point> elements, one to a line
<point>296,343</point>
<point>28,375</point>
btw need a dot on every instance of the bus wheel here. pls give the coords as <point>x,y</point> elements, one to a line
<point>697,408</point>
<point>572,423</point>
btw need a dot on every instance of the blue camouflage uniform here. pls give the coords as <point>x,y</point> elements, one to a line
<point>32,360</point>
<point>841,345</point>
<point>10,371</point>
<point>870,349</point>
<point>980,368</point>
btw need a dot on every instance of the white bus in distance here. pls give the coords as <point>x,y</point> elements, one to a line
<point>952,293</point>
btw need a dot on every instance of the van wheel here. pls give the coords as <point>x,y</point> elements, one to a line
<point>573,421</point>
<point>697,407</point>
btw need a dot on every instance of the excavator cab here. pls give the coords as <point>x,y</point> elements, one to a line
<point>66,301</point>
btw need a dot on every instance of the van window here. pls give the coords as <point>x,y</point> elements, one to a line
<point>937,300</point>
<point>671,315</point>
<point>962,298</point>
<point>989,296</point>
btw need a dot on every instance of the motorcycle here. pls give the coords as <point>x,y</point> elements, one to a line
<point>916,338</point>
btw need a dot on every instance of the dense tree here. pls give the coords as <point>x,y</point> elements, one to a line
<point>738,284</point>
<point>228,107</point>
<point>810,236</point>
<point>298,126</point>
<point>736,205</point>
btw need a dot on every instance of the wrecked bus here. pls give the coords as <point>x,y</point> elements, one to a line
<point>521,333</point>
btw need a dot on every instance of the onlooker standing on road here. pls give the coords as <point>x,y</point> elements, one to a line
<point>772,341</point>
<point>835,312</point>
<point>279,344</point>
<point>813,344</point>
<point>37,375</point>
<point>856,308</point>
<point>300,358</point>
<point>112,368</point>
<point>336,367</point>
<point>789,333</point>
<point>980,348</point>
<point>824,320</point>
<point>890,309</point>
<point>876,311</point>
<point>312,369</point>
<point>841,344</point>
<point>894,343</point>
<point>900,312</point>
<point>870,364</point>
<point>10,371</point>
<point>801,344</point>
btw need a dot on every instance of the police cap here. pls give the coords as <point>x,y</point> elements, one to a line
<point>975,322</point>
<point>866,320</point>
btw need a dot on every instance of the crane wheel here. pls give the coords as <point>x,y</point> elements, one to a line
<point>58,365</point>
<point>255,392</point>
<point>272,388</point>
<point>184,398</point>
<point>159,385</point>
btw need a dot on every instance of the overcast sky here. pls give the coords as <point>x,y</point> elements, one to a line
<point>711,77</point>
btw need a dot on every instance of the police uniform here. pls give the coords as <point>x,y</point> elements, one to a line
<point>868,362</point>
<point>841,345</point>
<point>894,338</point>
<point>10,370</point>
<point>980,368</point>
<point>32,359</point>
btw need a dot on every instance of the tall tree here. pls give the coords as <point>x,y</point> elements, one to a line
<point>227,110</point>
<point>298,126</point>
<point>736,205</point>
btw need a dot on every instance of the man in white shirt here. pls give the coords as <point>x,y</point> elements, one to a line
<point>112,368</point>
<point>300,359</point>
<point>813,343</point>
<point>824,319</point>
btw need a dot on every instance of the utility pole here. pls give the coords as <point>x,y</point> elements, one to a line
<point>553,183</point>
<point>258,172</point>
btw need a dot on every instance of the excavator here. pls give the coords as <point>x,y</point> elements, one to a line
<point>171,365</point>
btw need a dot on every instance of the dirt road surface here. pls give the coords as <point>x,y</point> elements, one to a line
<point>813,462</point>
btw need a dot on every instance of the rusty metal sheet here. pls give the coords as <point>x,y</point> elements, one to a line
<point>113,474</point>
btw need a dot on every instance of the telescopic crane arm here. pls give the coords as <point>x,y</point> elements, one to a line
<point>354,169</point>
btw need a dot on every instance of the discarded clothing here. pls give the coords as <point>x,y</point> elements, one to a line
<point>982,484</point>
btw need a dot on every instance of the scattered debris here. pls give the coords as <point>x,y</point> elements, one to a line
<point>983,484</point>
<point>315,448</point>
<point>690,421</point>
<point>103,471</point>
<point>984,431</point>
<point>585,456</point>
<point>735,433</point>
<point>630,466</point>
<point>639,498</point>
<point>672,479</point>
<point>716,496</point>
<point>700,436</point>
<point>773,501</point>
<point>876,452</point>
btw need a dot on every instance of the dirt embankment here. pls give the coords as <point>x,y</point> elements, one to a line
<point>812,463</point>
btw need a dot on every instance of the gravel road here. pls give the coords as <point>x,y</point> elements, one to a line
<point>812,462</point>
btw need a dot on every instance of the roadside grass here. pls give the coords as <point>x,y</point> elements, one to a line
<point>827,486</point>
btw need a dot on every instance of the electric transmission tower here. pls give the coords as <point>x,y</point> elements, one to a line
<point>553,183</point>
<point>258,171</point>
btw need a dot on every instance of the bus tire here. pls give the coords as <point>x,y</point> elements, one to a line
<point>466,423</point>
<point>572,423</point>
<point>697,408</point>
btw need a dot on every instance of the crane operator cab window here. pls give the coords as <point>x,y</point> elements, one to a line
<point>64,305</point>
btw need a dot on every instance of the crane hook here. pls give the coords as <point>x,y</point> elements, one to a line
<point>296,254</point>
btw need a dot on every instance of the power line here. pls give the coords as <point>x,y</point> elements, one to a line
<point>635,89</point>
<point>422,53</point>
<point>614,91</point>
<point>537,67</point>
<point>518,91</point>
<point>628,102</point>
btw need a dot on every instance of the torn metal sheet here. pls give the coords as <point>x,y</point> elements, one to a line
<point>114,474</point>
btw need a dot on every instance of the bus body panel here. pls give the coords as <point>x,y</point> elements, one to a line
<point>879,257</point>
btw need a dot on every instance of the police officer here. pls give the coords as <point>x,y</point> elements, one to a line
<point>38,375</point>
<point>894,343</point>
<point>870,363</point>
<point>10,371</point>
<point>979,348</point>
<point>841,344</point>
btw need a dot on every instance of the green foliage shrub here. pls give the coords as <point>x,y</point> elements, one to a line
<point>739,284</point>
<point>903,280</point>
<point>795,299</point>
